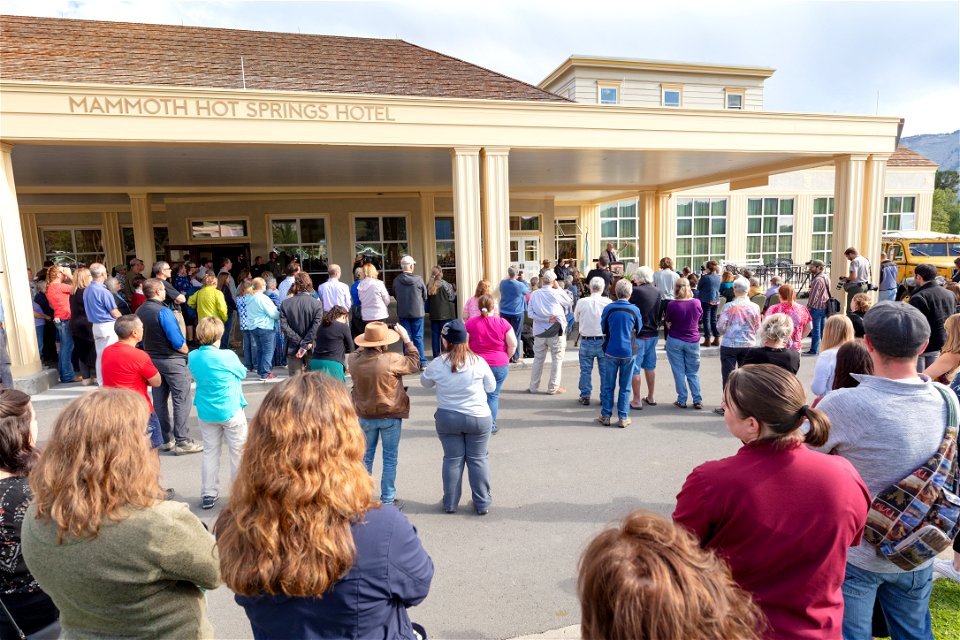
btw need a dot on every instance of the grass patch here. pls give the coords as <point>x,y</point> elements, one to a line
<point>945,609</point>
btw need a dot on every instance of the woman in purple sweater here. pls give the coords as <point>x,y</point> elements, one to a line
<point>682,318</point>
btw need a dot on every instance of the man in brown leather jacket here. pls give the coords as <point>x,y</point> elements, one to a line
<point>379,396</point>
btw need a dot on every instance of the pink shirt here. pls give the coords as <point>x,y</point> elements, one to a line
<point>800,316</point>
<point>472,310</point>
<point>488,339</point>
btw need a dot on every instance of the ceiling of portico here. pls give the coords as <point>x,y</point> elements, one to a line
<point>569,174</point>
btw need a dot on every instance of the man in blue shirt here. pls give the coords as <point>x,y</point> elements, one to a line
<point>167,348</point>
<point>621,325</point>
<point>513,300</point>
<point>102,312</point>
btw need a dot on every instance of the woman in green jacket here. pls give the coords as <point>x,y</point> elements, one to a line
<point>116,558</point>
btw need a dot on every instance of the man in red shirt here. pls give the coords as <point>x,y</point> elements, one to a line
<point>127,367</point>
<point>58,294</point>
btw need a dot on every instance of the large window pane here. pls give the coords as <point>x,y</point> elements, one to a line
<point>205,229</point>
<point>608,228</point>
<point>628,210</point>
<point>701,208</point>
<point>684,227</point>
<point>718,247</point>
<point>718,207</point>
<point>57,241</point>
<point>893,205</point>
<point>701,226</point>
<point>701,245</point>
<point>233,229</point>
<point>683,246</point>
<point>753,244</point>
<point>312,231</point>
<point>753,225</point>
<point>366,229</point>
<point>394,228</point>
<point>628,228</point>
<point>684,208</point>
<point>444,228</point>
<point>786,207</point>
<point>769,206</point>
<point>769,225</point>
<point>127,240</point>
<point>819,224</point>
<point>284,232</point>
<point>718,226</point>
<point>754,207</point>
<point>908,205</point>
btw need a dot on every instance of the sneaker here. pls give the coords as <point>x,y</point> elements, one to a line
<point>604,420</point>
<point>483,512</point>
<point>623,423</point>
<point>399,504</point>
<point>698,405</point>
<point>187,446</point>
<point>718,411</point>
<point>945,569</point>
<point>269,376</point>
<point>809,353</point>
<point>584,401</point>
<point>207,502</point>
<point>556,391</point>
<point>168,446</point>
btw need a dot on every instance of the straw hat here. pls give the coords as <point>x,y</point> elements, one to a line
<point>377,334</point>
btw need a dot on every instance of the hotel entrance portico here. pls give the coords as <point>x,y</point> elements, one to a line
<point>336,174</point>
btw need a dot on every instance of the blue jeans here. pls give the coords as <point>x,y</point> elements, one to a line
<point>905,598</point>
<point>493,398</point>
<point>263,350</point>
<point>414,327</point>
<point>388,429</point>
<point>517,323</point>
<point>819,317</point>
<point>65,339</point>
<point>249,349</point>
<point>436,326</point>
<point>40,340</point>
<point>614,371</point>
<point>684,358</point>
<point>887,295</point>
<point>590,349</point>
<point>464,440</point>
<point>227,328</point>
<point>710,320</point>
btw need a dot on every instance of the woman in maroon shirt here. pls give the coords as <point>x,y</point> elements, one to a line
<point>782,515</point>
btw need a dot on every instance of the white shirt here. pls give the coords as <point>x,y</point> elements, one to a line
<point>373,299</point>
<point>862,266</point>
<point>546,302</point>
<point>823,371</point>
<point>665,279</point>
<point>333,293</point>
<point>588,312</point>
<point>464,391</point>
<point>284,287</point>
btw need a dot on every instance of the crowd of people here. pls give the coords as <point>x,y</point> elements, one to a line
<point>825,524</point>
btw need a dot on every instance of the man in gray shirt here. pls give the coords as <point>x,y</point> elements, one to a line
<point>887,427</point>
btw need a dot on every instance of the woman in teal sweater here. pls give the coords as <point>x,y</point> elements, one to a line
<point>115,557</point>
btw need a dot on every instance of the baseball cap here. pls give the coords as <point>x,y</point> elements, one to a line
<point>454,332</point>
<point>896,329</point>
<point>816,263</point>
<point>406,261</point>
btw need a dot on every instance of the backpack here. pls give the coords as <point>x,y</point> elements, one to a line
<point>915,519</point>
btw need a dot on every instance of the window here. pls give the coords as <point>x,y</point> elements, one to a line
<point>899,213</point>
<point>566,236</point>
<point>897,250</point>
<point>734,99</point>
<point>529,222</point>
<point>71,247</point>
<point>770,229</point>
<point>446,251</point>
<point>608,93</point>
<point>381,240</point>
<point>618,226</point>
<point>161,238</point>
<point>671,95</point>
<point>701,231</point>
<point>304,239</point>
<point>822,229</point>
<point>218,229</point>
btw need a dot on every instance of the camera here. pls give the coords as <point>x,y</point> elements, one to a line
<point>872,287</point>
<point>841,281</point>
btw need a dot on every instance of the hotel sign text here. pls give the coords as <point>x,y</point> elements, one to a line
<point>161,106</point>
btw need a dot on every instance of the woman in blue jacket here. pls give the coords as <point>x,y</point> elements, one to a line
<point>303,543</point>
<point>708,292</point>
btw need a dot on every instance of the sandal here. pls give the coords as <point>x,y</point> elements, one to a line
<point>679,405</point>
<point>649,402</point>
<point>638,407</point>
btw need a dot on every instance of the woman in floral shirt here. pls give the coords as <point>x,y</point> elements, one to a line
<point>802,322</point>
<point>738,325</point>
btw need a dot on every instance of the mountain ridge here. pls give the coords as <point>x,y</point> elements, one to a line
<point>942,148</point>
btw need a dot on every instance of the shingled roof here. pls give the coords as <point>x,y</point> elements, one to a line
<point>59,50</point>
<point>904,157</point>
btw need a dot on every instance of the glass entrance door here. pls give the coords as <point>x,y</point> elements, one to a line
<point>525,254</point>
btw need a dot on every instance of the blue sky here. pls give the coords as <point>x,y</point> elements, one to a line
<point>830,57</point>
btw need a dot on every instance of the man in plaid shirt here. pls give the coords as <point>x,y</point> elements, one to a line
<point>817,303</point>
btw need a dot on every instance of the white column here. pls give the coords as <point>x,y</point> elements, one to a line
<point>847,213</point>
<point>803,228</point>
<point>142,217</point>
<point>648,213</point>
<point>666,229</point>
<point>871,228</point>
<point>466,220</point>
<point>31,240</point>
<point>14,286</point>
<point>589,249</point>
<point>112,244</point>
<point>736,250</point>
<point>496,214</point>
<point>428,233</point>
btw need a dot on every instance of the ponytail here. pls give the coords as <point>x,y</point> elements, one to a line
<point>485,304</point>
<point>819,431</point>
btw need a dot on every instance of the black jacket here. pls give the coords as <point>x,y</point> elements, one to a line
<point>936,304</point>
<point>299,318</point>
<point>411,294</point>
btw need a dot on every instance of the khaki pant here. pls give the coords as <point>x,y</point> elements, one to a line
<point>556,345</point>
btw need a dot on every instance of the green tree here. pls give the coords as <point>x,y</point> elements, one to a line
<point>948,180</point>
<point>946,212</point>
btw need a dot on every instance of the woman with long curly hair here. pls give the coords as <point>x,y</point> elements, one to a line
<point>100,539</point>
<point>84,347</point>
<point>649,579</point>
<point>29,608</point>
<point>303,543</point>
<point>785,538</point>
